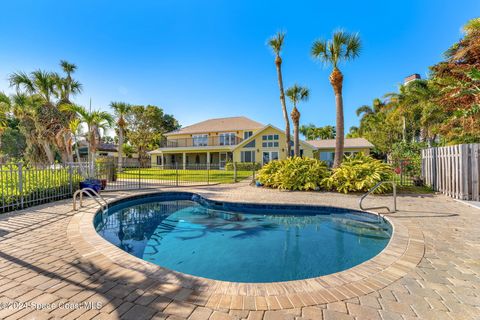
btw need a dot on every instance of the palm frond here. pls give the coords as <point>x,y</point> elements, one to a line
<point>276,42</point>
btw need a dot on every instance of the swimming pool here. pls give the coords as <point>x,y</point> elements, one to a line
<point>242,242</point>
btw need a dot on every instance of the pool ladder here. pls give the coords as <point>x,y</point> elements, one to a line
<point>381,207</point>
<point>89,191</point>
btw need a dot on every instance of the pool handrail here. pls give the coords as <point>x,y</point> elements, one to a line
<point>89,192</point>
<point>381,207</point>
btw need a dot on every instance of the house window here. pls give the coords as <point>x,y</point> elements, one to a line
<point>159,160</point>
<point>247,134</point>
<point>251,144</point>
<point>247,156</point>
<point>227,139</point>
<point>200,140</point>
<point>270,141</point>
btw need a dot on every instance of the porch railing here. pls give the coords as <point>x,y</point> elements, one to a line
<point>201,142</point>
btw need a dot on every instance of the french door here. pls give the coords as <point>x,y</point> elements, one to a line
<point>269,156</point>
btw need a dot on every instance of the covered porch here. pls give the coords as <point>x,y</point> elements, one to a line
<point>192,160</point>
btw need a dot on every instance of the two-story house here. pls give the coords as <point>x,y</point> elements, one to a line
<point>218,141</point>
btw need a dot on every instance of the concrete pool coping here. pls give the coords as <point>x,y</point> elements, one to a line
<point>402,254</point>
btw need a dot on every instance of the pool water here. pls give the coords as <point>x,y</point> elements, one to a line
<point>261,245</point>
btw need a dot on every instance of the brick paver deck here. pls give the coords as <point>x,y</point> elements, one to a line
<point>53,265</point>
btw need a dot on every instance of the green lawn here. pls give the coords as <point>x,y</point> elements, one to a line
<point>210,176</point>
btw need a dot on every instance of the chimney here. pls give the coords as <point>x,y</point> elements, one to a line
<point>411,78</point>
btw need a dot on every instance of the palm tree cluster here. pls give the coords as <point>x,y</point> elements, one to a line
<point>440,110</point>
<point>37,105</point>
<point>311,132</point>
<point>342,47</point>
<point>43,109</point>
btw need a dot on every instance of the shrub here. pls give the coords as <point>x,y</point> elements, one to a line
<point>243,166</point>
<point>293,174</point>
<point>359,173</point>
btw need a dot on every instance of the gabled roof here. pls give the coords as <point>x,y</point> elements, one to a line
<point>219,124</point>
<point>349,143</point>
<point>252,137</point>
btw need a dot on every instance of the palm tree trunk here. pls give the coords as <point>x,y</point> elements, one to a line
<point>48,152</point>
<point>336,79</point>
<point>296,138</point>
<point>120,150</point>
<point>278,63</point>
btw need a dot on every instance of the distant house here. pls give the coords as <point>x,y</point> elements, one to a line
<point>103,150</point>
<point>325,149</point>
<point>222,140</point>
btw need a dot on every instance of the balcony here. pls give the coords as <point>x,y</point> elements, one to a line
<point>201,142</point>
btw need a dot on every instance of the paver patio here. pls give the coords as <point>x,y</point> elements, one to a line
<point>46,262</point>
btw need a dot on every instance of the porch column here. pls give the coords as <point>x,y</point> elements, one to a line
<point>208,159</point>
<point>184,159</point>
<point>161,159</point>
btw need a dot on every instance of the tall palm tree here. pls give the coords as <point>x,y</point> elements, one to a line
<point>68,86</point>
<point>342,47</point>
<point>276,43</point>
<point>297,94</point>
<point>95,120</point>
<point>121,109</point>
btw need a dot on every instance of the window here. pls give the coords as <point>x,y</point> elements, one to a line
<point>197,159</point>
<point>247,156</point>
<point>247,134</point>
<point>159,160</point>
<point>251,144</point>
<point>200,140</point>
<point>227,139</point>
<point>270,141</point>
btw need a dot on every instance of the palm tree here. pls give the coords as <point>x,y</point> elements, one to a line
<point>121,109</point>
<point>95,120</point>
<point>297,94</point>
<point>276,43</point>
<point>342,47</point>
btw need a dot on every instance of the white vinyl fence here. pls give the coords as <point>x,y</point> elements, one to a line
<point>453,170</point>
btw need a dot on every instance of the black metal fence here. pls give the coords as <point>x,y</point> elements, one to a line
<point>23,185</point>
<point>406,172</point>
<point>175,175</point>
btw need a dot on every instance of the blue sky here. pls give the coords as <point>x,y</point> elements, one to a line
<point>206,59</point>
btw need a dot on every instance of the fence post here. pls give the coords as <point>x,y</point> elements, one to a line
<point>234,172</point>
<point>208,173</point>
<point>20,182</point>
<point>139,177</point>
<point>176,174</point>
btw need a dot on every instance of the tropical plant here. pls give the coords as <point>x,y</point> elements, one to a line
<point>121,109</point>
<point>276,44</point>
<point>5,106</point>
<point>297,94</point>
<point>342,47</point>
<point>295,173</point>
<point>311,132</point>
<point>95,120</point>
<point>359,172</point>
